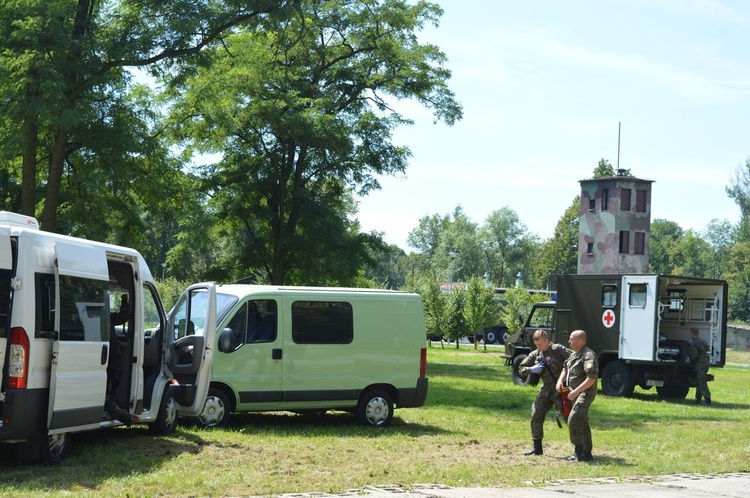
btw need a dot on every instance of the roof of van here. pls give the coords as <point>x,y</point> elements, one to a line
<point>245,289</point>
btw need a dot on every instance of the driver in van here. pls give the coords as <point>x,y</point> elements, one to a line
<point>114,366</point>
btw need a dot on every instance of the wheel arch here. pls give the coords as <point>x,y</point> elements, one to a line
<point>228,392</point>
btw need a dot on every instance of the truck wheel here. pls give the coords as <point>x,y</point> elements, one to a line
<point>490,336</point>
<point>216,410</point>
<point>515,375</point>
<point>375,409</point>
<point>617,380</point>
<point>166,418</point>
<point>672,391</point>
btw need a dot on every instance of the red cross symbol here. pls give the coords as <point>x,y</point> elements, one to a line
<point>608,318</point>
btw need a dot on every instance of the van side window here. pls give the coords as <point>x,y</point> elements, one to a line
<point>315,322</point>
<point>83,309</point>
<point>45,303</point>
<point>254,322</point>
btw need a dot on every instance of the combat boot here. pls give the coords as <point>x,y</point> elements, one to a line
<point>708,401</point>
<point>698,399</point>
<point>586,457</point>
<point>577,455</point>
<point>537,448</point>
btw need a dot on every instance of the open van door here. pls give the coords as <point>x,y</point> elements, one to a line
<point>6,266</point>
<point>191,333</point>
<point>80,348</point>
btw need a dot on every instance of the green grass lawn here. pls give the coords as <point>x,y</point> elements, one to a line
<point>471,432</point>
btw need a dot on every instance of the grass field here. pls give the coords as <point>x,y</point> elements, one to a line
<point>471,432</point>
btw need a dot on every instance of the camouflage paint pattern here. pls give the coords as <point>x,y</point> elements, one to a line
<point>602,227</point>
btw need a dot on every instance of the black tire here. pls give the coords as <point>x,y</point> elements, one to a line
<point>672,391</point>
<point>375,409</point>
<point>53,449</point>
<point>166,419</point>
<point>491,336</point>
<point>515,375</point>
<point>617,379</point>
<point>215,411</point>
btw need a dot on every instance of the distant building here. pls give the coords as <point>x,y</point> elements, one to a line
<point>615,225</point>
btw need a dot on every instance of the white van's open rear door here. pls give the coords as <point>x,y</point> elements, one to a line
<point>6,263</point>
<point>80,350</point>
<point>190,337</point>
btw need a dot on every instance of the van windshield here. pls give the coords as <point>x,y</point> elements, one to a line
<point>224,303</point>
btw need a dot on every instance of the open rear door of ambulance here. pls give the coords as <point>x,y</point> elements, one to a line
<point>191,334</point>
<point>80,349</point>
<point>6,267</point>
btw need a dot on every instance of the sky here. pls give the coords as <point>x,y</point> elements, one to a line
<point>544,85</point>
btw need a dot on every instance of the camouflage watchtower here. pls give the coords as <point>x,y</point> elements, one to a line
<point>614,224</point>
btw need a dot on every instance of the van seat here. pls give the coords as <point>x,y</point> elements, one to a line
<point>265,331</point>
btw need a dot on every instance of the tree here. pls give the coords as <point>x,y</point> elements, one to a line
<point>604,169</point>
<point>457,325</point>
<point>664,246</point>
<point>480,311</point>
<point>435,307</point>
<point>560,253</point>
<point>518,303</point>
<point>301,115</point>
<point>65,60</point>
<point>509,247</point>
<point>739,191</point>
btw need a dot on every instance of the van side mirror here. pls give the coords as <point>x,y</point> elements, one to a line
<point>226,341</point>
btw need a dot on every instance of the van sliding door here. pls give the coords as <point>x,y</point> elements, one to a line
<point>6,266</point>
<point>80,350</point>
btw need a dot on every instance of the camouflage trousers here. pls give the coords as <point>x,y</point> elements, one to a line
<point>578,422</point>
<point>539,409</point>
<point>701,382</point>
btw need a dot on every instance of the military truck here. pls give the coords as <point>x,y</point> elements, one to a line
<point>638,325</point>
<point>498,333</point>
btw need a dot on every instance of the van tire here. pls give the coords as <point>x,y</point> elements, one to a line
<point>50,450</point>
<point>375,409</point>
<point>215,411</point>
<point>617,379</point>
<point>166,418</point>
<point>515,374</point>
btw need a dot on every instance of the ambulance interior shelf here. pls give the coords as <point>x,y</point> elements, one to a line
<point>689,309</point>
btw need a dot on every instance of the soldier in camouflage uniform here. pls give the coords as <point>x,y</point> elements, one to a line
<point>699,358</point>
<point>547,361</point>
<point>580,373</point>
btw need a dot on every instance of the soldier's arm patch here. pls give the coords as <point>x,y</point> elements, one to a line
<point>588,365</point>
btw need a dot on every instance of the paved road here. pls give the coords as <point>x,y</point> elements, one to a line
<point>672,486</point>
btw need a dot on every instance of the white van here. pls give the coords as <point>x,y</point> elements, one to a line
<point>58,339</point>
<point>311,349</point>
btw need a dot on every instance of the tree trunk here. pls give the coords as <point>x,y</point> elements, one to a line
<point>54,180</point>
<point>28,175</point>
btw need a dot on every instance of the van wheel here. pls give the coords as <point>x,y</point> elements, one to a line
<point>53,449</point>
<point>216,410</point>
<point>375,409</point>
<point>617,380</point>
<point>166,419</point>
<point>515,375</point>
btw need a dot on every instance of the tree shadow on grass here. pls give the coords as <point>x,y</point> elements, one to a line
<point>96,457</point>
<point>333,423</point>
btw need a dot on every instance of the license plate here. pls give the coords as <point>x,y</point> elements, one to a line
<point>657,383</point>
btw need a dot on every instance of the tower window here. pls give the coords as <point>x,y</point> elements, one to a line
<point>640,201</point>
<point>639,243</point>
<point>624,242</point>
<point>605,199</point>
<point>625,199</point>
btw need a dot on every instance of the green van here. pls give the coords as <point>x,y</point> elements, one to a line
<point>311,349</point>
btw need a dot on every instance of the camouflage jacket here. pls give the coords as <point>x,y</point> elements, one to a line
<point>580,366</point>
<point>554,357</point>
<point>699,352</point>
